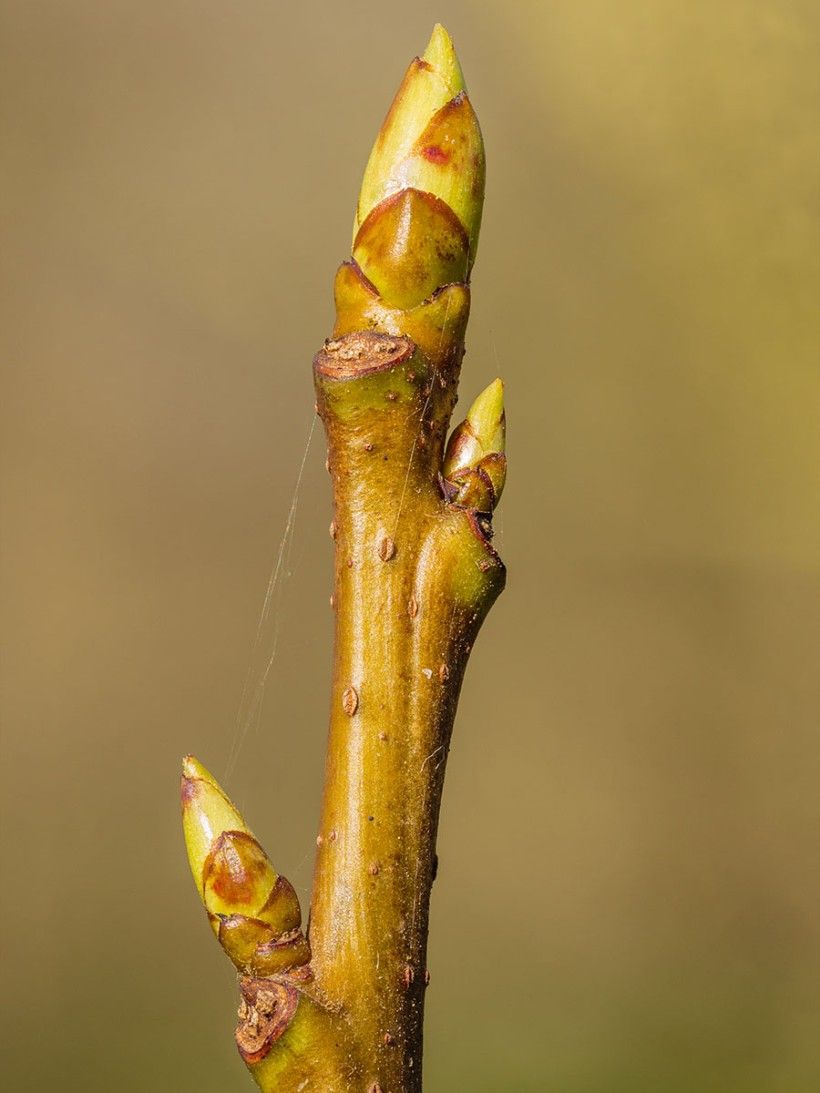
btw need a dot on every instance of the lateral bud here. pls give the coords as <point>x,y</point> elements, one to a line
<point>253,911</point>
<point>475,466</point>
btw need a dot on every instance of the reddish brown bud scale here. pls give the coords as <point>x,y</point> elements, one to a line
<point>240,937</point>
<point>237,876</point>
<point>280,954</point>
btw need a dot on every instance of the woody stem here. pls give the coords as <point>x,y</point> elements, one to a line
<point>414,577</point>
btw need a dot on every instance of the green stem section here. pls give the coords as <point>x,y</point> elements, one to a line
<point>414,577</point>
<point>290,1042</point>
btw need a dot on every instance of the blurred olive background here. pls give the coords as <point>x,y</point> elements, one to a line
<point>628,894</point>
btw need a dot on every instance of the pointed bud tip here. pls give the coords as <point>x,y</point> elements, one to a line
<point>441,55</point>
<point>196,778</point>
<point>207,812</point>
<point>486,417</point>
<point>494,391</point>
<point>192,768</point>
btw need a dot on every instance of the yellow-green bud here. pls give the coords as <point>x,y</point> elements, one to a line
<point>252,909</point>
<point>419,210</point>
<point>475,464</point>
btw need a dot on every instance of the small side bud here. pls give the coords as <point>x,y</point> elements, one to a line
<point>475,466</point>
<point>481,433</point>
<point>251,907</point>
